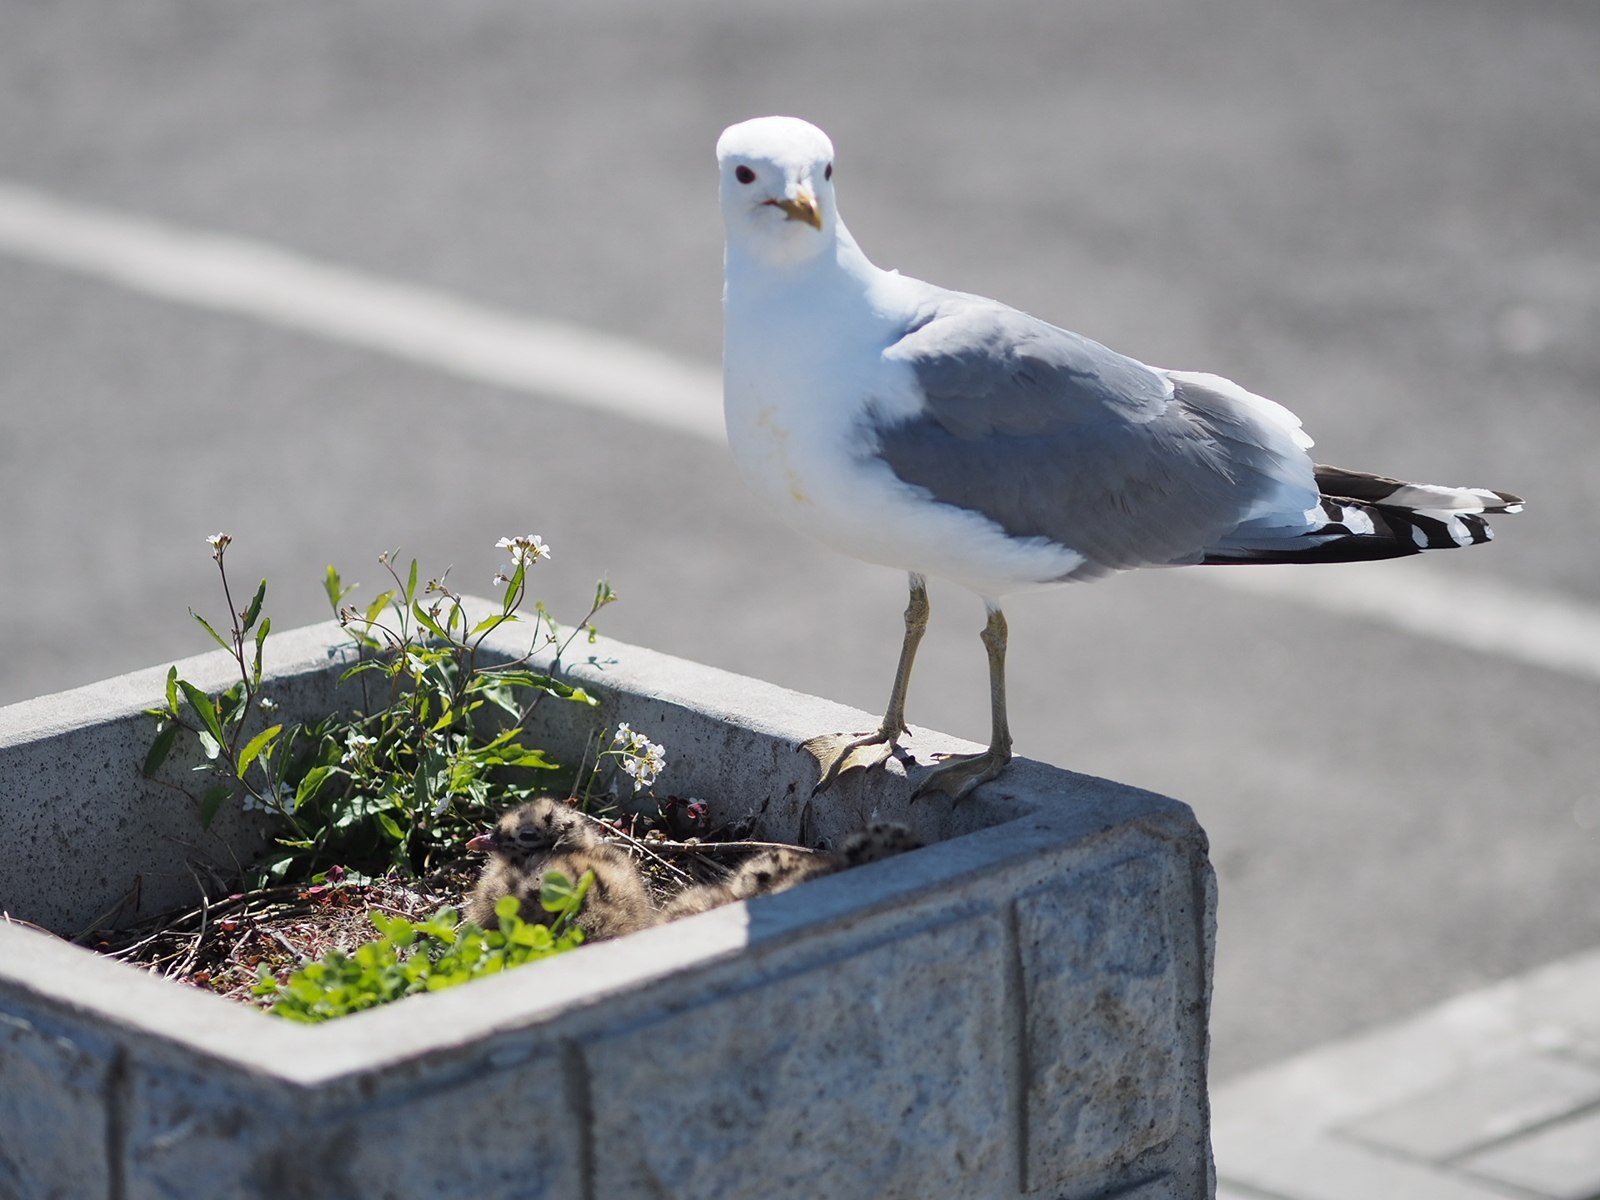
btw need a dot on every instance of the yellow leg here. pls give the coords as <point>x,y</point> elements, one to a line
<point>957,774</point>
<point>838,753</point>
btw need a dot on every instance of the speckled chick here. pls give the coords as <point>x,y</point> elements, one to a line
<point>772,871</point>
<point>547,835</point>
<point>880,840</point>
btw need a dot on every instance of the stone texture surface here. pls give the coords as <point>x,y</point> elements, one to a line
<point>817,1084</point>
<point>1100,983</point>
<point>877,1034</point>
<point>502,1135</point>
<point>54,1119</point>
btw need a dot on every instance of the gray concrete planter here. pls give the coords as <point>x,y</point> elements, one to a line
<point>1019,1009</point>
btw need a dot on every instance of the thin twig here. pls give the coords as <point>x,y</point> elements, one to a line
<point>723,847</point>
<point>618,834</point>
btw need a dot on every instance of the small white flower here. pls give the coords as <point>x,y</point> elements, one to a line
<point>525,550</point>
<point>268,704</point>
<point>642,760</point>
<point>218,543</point>
<point>356,747</point>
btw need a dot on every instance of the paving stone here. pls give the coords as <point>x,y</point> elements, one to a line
<point>762,1110</point>
<point>1486,1106</point>
<point>1227,1191</point>
<point>1098,965</point>
<point>1561,1161</point>
<point>54,1131</point>
<point>1320,1169</point>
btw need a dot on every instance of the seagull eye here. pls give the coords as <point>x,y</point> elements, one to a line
<point>745,175</point>
<point>828,174</point>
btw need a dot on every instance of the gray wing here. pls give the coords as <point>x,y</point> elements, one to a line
<point>1051,435</point>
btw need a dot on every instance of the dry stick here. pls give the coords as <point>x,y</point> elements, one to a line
<point>199,937</point>
<point>7,919</point>
<point>132,894</point>
<point>241,900</point>
<point>613,832</point>
<point>720,847</point>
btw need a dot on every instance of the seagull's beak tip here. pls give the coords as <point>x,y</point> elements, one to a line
<point>801,207</point>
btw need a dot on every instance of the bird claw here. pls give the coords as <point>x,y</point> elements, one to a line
<point>838,754</point>
<point>957,774</point>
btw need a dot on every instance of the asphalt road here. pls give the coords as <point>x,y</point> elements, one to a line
<point>1382,214</point>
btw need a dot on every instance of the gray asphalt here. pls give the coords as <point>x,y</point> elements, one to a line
<point>1381,214</point>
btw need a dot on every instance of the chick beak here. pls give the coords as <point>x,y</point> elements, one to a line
<point>481,844</point>
<point>801,207</point>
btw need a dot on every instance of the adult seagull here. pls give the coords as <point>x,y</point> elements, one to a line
<point>949,435</point>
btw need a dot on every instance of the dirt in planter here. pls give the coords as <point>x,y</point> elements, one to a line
<point>223,944</point>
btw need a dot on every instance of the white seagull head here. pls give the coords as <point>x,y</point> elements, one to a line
<point>777,189</point>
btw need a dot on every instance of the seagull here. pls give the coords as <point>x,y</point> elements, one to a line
<point>945,434</point>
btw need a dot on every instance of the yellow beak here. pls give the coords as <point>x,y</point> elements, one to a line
<point>802,208</point>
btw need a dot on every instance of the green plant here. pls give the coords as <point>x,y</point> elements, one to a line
<point>410,957</point>
<point>436,748</point>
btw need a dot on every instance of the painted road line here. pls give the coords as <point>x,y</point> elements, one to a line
<point>255,279</point>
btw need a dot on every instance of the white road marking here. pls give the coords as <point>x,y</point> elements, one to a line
<point>578,365</point>
<point>1536,628</point>
<point>255,279</point>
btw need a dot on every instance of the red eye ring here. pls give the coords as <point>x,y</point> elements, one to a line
<point>744,174</point>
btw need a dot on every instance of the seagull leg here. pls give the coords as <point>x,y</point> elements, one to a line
<point>958,774</point>
<point>838,753</point>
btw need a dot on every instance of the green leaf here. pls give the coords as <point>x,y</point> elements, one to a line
<point>256,745</point>
<point>161,747</point>
<point>201,703</point>
<point>514,589</point>
<point>391,827</point>
<point>254,610</point>
<point>488,623</point>
<point>311,784</point>
<point>411,584</point>
<point>427,621</point>
<point>556,891</point>
<point>377,604</point>
<point>332,585</point>
<point>172,690</point>
<point>211,802</point>
<point>261,641</point>
<point>206,625</point>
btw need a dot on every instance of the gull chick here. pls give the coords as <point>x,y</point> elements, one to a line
<point>946,434</point>
<point>769,872</point>
<point>546,835</point>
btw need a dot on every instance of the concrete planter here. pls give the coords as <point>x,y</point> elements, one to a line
<point>1019,1009</point>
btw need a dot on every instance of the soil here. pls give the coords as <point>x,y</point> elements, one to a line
<point>223,945</point>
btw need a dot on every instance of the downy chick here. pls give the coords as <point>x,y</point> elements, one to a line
<point>546,835</point>
<point>772,871</point>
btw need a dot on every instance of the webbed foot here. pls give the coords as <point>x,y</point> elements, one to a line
<point>957,774</point>
<point>838,754</point>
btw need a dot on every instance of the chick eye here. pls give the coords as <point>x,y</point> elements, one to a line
<point>828,174</point>
<point>745,175</point>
